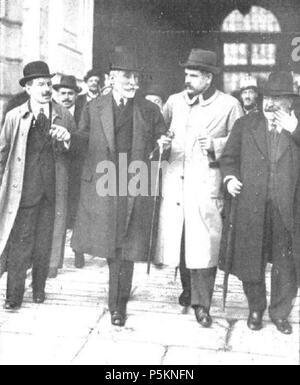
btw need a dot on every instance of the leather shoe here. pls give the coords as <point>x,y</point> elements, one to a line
<point>118,319</point>
<point>8,305</point>
<point>79,260</point>
<point>203,317</point>
<point>283,326</point>
<point>185,299</point>
<point>255,320</point>
<point>39,298</point>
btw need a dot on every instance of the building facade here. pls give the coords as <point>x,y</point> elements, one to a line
<point>58,32</point>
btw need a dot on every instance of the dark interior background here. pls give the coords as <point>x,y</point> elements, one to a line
<point>162,32</point>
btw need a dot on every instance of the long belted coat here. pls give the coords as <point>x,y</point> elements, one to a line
<point>13,140</point>
<point>96,222</point>
<point>191,188</point>
<point>246,157</point>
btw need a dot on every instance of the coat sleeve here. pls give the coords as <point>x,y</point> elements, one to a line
<point>230,160</point>
<point>5,142</point>
<point>219,143</point>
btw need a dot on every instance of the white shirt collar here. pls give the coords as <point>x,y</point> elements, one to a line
<point>118,98</point>
<point>90,96</point>
<point>72,110</point>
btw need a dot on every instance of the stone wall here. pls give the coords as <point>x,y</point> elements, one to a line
<point>59,32</point>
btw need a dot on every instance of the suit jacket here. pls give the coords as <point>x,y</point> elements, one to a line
<point>246,157</point>
<point>13,144</point>
<point>96,223</point>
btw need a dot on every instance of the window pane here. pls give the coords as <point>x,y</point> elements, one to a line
<point>257,20</point>
<point>232,80</point>
<point>263,54</point>
<point>235,54</point>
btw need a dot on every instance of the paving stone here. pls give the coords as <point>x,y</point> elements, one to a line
<point>22,349</point>
<point>101,351</point>
<point>165,329</point>
<point>188,356</point>
<point>268,341</point>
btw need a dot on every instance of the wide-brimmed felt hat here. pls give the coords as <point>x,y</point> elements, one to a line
<point>68,81</point>
<point>201,59</point>
<point>34,70</point>
<point>280,83</point>
<point>91,73</point>
<point>124,59</point>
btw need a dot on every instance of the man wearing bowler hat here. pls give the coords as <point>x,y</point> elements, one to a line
<point>67,96</point>
<point>33,185</point>
<point>190,225</point>
<point>261,170</point>
<point>116,224</point>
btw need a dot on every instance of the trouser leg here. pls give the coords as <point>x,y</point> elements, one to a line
<point>256,295</point>
<point>283,275</point>
<point>202,287</point>
<point>42,248</point>
<point>21,245</point>
<point>120,283</point>
<point>185,275</point>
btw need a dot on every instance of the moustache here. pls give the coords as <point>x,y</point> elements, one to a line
<point>47,94</point>
<point>271,109</point>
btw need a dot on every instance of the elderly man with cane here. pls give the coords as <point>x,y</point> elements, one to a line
<point>261,170</point>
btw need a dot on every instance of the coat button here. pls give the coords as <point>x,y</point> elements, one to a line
<point>178,204</point>
<point>19,159</point>
<point>182,177</point>
<point>257,193</point>
<point>255,210</point>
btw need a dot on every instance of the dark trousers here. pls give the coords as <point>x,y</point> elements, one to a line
<point>278,246</point>
<point>198,282</point>
<point>120,283</point>
<point>30,242</point>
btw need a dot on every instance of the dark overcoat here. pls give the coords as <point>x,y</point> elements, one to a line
<point>246,157</point>
<point>13,144</point>
<point>96,222</point>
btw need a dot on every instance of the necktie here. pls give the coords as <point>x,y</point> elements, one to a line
<point>122,103</point>
<point>42,121</point>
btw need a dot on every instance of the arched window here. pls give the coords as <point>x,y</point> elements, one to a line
<point>249,46</point>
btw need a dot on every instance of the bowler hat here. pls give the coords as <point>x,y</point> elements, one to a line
<point>201,59</point>
<point>34,70</point>
<point>91,73</point>
<point>124,59</point>
<point>279,84</point>
<point>68,81</point>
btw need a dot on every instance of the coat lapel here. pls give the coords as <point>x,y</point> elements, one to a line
<point>105,106</point>
<point>258,132</point>
<point>283,145</point>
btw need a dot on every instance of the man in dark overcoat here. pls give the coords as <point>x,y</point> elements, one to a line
<point>67,96</point>
<point>33,185</point>
<point>119,130</point>
<point>261,167</point>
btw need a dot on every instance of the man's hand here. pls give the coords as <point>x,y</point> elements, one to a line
<point>59,133</point>
<point>206,143</point>
<point>164,142</point>
<point>285,121</point>
<point>234,186</point>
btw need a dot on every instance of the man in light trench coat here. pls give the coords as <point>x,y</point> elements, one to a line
<point>190,223</point>
<point>33,186</point>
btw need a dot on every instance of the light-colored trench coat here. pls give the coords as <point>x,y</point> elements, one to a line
<point>191,194</point>
<point>13,141</point>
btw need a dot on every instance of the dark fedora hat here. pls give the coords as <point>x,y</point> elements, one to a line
<point>34,70</point>
<point>124,59</point>
<point>279,83</point>
<point>68,81</point>
<point>91,73</point>
<point>201,59</point>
